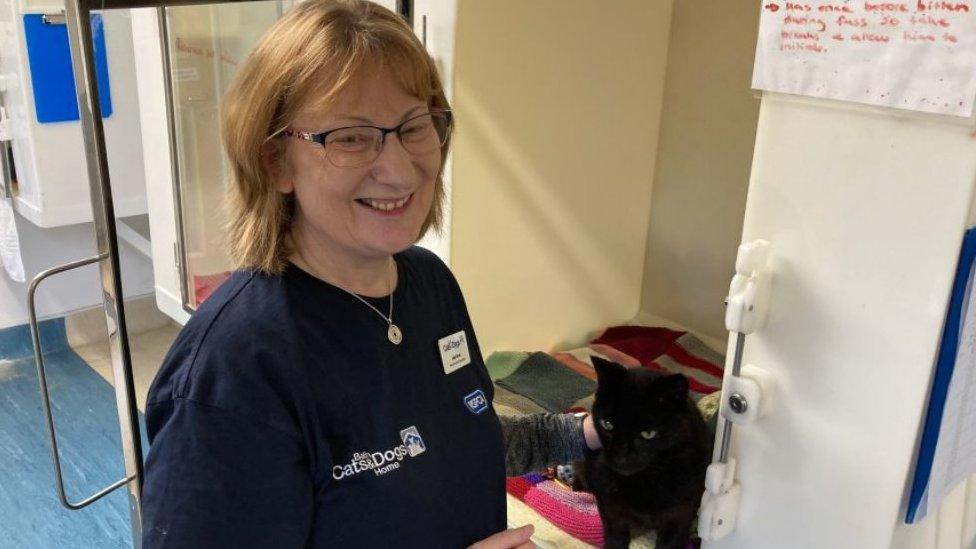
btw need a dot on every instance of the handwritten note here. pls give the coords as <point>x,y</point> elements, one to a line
<point>912,54</point>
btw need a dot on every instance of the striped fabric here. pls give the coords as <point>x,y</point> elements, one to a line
<point>573,512</point>
<point>660,349</point>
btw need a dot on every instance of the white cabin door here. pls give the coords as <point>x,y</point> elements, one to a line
<point>865,210</point>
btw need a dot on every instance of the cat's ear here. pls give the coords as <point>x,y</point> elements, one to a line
<point>608,372</point>
<point>672,390</point>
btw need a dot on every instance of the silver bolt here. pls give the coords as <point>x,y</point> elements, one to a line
<point>738,403</point>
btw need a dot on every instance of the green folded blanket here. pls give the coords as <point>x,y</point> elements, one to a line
<point>502,363</point>
<point>547,382</point>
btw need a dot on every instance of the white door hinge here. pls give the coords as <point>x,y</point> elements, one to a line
<point>720,503</point>
<point>748,300</point>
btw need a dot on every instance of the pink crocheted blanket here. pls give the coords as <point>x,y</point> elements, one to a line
<point>574,512</point>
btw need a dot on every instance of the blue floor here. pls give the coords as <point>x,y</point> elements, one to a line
<point>85,417</point>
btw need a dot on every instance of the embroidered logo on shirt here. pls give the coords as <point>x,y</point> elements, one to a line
<point>412,440</point>
<point>476,402</point>
<point>381,463</point>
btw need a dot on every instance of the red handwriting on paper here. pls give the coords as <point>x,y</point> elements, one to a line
<point>930,21</point>
<point>912,36</point>
<point>809,26</point>
<point>870,37</point>
<point>801,46</point>
<point>790,35</point>
<point>817,23</point>
<point>930,5</point>
<point>885,6</point>
<point>845,21</point>
<point>191,49</point>
<point>831,8</point>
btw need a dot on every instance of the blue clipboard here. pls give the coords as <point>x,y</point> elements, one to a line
<point>52,77</point>
<point>945,364</point>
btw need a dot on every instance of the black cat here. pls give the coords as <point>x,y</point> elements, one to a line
<point>650,474</point>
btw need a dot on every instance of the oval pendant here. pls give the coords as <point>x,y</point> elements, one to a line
<point>395,335</point>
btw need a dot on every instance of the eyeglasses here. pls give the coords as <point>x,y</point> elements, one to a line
<point>356,146</point>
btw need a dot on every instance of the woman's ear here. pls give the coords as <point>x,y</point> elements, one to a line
<point>273,160</point>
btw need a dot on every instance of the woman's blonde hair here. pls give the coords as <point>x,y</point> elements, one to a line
<point>316,42</point>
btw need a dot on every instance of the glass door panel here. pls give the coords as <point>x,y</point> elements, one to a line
<point>207,45</point>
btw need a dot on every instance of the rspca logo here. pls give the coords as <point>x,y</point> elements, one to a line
<point>412,441</point>
<point>476,402</point>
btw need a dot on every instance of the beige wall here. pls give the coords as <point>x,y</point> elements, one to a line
<point>558,105</point>
<point>708,130</point>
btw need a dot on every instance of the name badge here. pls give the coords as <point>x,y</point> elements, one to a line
<point>454,352</point>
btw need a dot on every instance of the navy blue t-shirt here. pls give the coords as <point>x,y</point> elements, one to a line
<point>284,417</point>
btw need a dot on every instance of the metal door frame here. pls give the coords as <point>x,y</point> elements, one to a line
<point>78,17</point>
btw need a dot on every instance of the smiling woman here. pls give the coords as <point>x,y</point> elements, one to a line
<point>313,79</point>
<point>359,196</point>
<point>337,370</point>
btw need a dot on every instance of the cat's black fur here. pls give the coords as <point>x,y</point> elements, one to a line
<point>644,483</point>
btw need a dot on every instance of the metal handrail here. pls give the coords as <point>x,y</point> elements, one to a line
<point>45,395</point>
<point>78,21</point>
<point>77,18</point>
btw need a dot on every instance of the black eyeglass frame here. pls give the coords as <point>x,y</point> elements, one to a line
<point>321,136</point>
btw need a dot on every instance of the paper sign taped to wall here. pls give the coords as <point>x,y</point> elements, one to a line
<point>909,54</point>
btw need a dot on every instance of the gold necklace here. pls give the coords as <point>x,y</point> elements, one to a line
<point>393,332</point>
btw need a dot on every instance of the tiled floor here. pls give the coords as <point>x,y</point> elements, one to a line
<point>147,350</point>
<point>83,402</point>
<point>150,335</point>
<point>83,405</point>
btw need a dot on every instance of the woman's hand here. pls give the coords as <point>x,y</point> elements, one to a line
<point>590,434</point>
<point>508,539</point>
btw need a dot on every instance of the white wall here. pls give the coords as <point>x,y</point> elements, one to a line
<point>558,106</point>
<point>708,129</point>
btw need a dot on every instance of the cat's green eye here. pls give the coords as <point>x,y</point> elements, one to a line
<point>648,435</point>
<point>606,425</point>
